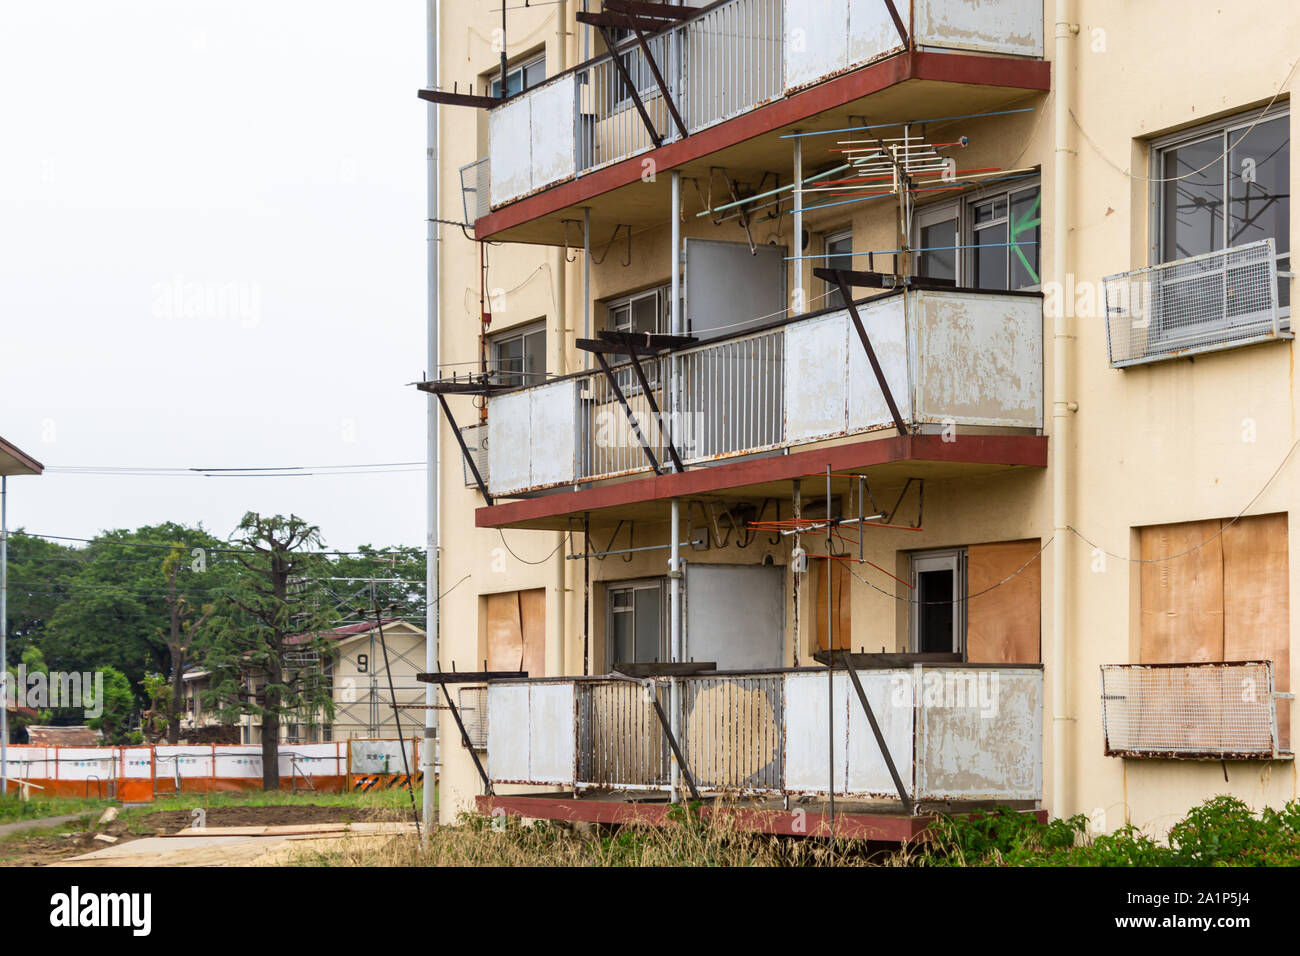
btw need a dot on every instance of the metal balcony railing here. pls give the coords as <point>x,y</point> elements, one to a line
<point>728,59</point>
<point>1211,711</point>
<point>950,358</point>
<point>955,732</point>
<point>1217,300</point>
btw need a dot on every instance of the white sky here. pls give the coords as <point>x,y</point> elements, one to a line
<point>268,154</point>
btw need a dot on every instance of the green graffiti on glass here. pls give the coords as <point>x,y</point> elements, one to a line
<point>1023,225</point>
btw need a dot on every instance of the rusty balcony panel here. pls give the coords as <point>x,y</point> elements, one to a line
<point>732,732</point>
<point>1201,711</point>
<point>620,743</point>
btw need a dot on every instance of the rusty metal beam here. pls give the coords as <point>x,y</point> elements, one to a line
<point>643,8</point>
<point>465,741</point>
<point>464,449</point>
<point>903,795</point>
<point>459,99</point>
<point>871,352</point>
<point>663,87</point>
<point>627,410</point>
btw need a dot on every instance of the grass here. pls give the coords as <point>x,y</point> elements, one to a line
<point>13,810</point>
<point>1222,831</point>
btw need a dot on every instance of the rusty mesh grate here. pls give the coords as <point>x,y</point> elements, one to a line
<point>1207,710</point>
<point>1216,300</point>
<point>472,704</point>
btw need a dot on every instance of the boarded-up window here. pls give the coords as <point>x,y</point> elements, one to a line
<point>840,597</point>
<point>1222,595</point>
<point>516,631</point>
<point>1004,583</point>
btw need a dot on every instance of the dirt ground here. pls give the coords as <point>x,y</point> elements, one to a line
<point>43,849</point>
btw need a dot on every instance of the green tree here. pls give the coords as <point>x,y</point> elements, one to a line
<point>41,574</point>
<point>275,620</point>
<point>185,623</point>
<point>118,702</point>
<point>392,578</point>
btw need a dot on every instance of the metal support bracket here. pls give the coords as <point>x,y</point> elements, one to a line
<point>672,742</point>
<point>650,400</point>
<point>619,65</point>
<point>464,449</point>
<point>627,410</point>
<point>880,738</point>
<point>871,352</point>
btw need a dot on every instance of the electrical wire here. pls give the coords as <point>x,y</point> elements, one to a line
<point>525,560</point>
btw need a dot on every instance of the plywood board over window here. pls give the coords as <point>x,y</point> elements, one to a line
<point>1218,590</point>
<point>1003,613</point>
<point>840,596</point>
<point>1256,601</point>
<point>516,631</point>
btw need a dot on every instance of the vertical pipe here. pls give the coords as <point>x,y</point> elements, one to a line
<point>1061,802</point>
<point>4,634</point>
<point>797,241</point>
<point>830,657</point>
<point>798,513</point>
<point>559,366</point>
<point>431,610</point>
<point>676,648</point>
<point>586,281</point>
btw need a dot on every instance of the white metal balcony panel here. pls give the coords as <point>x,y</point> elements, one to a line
<point>978,359</point>
<point>989,26</point>
<point>532,436</point>
<point>832,36</point>
<point>532,139</point>
<point>532,734</point>
<point>980,734</point>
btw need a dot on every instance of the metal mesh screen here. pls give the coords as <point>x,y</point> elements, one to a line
<point>476,189</point>
<point>1210,710</point>
<point>472,704</point>
<point>476,440</point>
<point>1212,301</point>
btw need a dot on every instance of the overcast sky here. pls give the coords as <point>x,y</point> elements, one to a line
<point>212,255</point>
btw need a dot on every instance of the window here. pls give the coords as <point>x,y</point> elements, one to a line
<point>642,312</point>
<point>636,623</point>
<point>939,608</point>
<point>839,255</point>
<point>1222,186</point>
<point>518,357</point>
<point>523,76</point>
<point>634,61</point>
<point>999,232</point>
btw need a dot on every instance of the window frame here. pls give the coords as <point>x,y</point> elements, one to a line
<point>637,584</point>
<point>828,238</point>
<point>957,557</point>
<point>960,208</point>
<point>521,67</point>
<point>520,332</point>
<point>1222,129</point>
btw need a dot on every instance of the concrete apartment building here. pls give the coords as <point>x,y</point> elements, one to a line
<point>1007,480</point>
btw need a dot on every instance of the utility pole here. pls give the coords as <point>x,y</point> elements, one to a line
<point>428,751</point>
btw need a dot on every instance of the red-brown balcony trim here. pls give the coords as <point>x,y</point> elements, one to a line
<point>990,450</point>
<point>1007,72</point>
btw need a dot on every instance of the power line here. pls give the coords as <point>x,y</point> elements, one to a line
<point>181,546</point>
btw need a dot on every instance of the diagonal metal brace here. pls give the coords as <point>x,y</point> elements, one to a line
<point>880,738</point>
<point>650,400</point>
<point>465,741</point>
<point>627,409</point>
<point>464,449</point>
<point>871,353</point>
<point>619,65</point>
<point>672,742</point>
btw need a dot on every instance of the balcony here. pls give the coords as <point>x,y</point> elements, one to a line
<point>1206,303</point>
<point>719,69</point>
<point>954,733</point>
<point>951,359</point>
